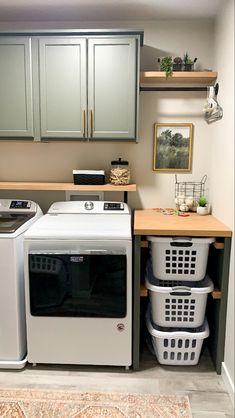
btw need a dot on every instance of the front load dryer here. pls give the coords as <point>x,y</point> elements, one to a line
<point>15,217</point>
<point>78,283</point>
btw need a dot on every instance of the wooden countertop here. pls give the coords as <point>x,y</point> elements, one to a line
<point>154,222</point>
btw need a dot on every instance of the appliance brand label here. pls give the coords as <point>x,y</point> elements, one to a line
<point>76,259</point>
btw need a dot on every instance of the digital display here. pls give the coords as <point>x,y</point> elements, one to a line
<point>19,204</point>
<point>113,206</point>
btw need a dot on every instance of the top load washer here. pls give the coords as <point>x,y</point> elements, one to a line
<point>78,283</point>
<point>15,217</point>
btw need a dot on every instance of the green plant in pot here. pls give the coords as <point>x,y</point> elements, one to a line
<point>202,208</point>
<point>166,65</point>
<point>188,62</point>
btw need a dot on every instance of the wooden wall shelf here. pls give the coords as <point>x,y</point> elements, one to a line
<point>183,77</point>
<point>65,186</point>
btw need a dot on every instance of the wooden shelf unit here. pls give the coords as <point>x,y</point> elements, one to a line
<point>182,77</point>
<point>152,222</point>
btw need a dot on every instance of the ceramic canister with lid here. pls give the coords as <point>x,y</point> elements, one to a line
<point>120,172</point>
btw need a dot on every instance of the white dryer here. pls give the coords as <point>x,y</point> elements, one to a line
<point>78,272</point>
<point>15,217</point>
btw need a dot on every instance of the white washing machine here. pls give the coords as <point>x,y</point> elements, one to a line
<point>78,283</point>
<point>15,217</point>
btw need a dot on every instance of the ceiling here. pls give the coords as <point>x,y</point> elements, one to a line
<point>107,10</point>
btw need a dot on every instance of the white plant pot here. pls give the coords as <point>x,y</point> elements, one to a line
<point>202,210</point>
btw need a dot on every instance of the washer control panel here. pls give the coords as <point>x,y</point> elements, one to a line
<point>20,204</point>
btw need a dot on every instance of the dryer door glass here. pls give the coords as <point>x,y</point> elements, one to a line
<point>78,285</point>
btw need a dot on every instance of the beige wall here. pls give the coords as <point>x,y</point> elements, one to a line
<point>222,161</point>
<point>55,161</point>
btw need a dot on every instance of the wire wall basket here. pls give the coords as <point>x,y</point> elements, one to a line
<point>187,193</point>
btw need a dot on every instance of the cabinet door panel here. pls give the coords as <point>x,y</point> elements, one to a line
<point>62,88</point>
<point>112,88</point>
<point>16,110</point>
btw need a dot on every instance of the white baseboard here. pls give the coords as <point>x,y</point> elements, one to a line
<point>228,382</point>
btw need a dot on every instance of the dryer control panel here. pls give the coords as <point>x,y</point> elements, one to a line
<point>113,206</point>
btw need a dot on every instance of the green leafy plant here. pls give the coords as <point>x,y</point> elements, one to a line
<point>187,59</point>
<point>167,66</point>
<point>202,201</point>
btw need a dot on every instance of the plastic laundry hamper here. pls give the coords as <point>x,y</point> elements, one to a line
<point>176,303</point>
<point>177,346</point>
<point>179,258</point>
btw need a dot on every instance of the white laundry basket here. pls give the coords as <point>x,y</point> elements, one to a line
<point>177,346</point>
<point>176,303</point>
<point>179,258</point>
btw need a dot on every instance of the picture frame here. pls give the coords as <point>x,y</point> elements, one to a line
<point>172,151</point>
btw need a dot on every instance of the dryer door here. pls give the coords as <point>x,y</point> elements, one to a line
<point>79,284</point>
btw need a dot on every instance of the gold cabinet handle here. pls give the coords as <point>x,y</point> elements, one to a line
<point>83,123</point>
<point>91,123</point>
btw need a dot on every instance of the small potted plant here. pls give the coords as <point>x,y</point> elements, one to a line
<point>202,208</point>
<point>188,62</point>
<point>166,65</point>
<point>177,64</point>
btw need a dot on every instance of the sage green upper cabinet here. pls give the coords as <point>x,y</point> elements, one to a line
<point>112,88</point>
<point>16,108</point>
<point>88,87</point>
<point>63,87</point>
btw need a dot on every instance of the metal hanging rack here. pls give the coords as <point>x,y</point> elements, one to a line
<point>170,88</point>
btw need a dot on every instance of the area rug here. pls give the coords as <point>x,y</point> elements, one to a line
<point>33,403</point>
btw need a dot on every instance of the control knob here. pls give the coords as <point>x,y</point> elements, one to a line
<point>89,205</point>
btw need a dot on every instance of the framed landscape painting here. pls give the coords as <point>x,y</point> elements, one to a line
<point>173,147</point>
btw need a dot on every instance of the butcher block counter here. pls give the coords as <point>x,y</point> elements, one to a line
<point>156,222</point>
<point>166,222</point>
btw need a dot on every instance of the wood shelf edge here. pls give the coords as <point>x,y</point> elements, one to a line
<point>218,245</point>
<point>198,77</point>
<point>144,244</point>
<point>143,291</point>
<point>216,294</point>
<point>56,186</point>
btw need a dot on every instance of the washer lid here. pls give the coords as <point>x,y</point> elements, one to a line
<point>15,213</point>
<point>10,222</point>
<point>81,226</point>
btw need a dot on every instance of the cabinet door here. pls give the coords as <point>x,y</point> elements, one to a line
<point>62,75</point>
<point>16,110</point>
<point>112,88</point>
